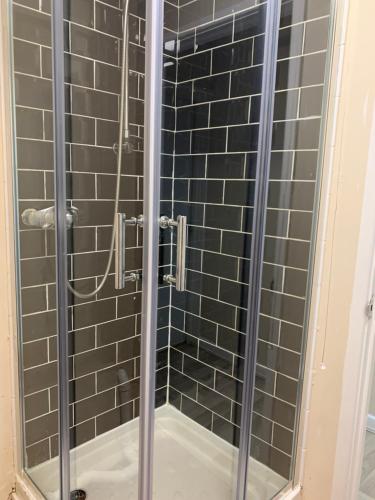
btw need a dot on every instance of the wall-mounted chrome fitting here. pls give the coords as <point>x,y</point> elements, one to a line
<point>45,218</point>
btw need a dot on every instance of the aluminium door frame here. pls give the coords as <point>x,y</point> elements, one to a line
<point>58,85</point>
<point>258,233</point>
<point>152,154</point>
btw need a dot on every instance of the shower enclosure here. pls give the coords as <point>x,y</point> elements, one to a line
<point>167,163</point>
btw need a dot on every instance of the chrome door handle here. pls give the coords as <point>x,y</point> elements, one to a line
<point>120,246</point>
<point>180,279</point>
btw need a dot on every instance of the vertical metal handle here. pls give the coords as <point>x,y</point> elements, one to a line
<point>120,239</point>
<point>181,253</point>
<point>181,224</point>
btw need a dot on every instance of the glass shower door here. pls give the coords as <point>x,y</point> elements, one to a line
<point>81,376</point>
<point>104,103</point>
<point>302,76</point>
<point>213,54</point>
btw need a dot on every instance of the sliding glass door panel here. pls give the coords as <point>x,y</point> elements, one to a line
<point>35,253</point>
<point>104,122</point>
<point>212,81</point>
<point>293,195</point>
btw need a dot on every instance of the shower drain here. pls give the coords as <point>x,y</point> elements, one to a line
<point>78,495</point>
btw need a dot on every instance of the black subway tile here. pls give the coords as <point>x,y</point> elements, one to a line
<point>204,239</point>
<point>283,307</point>
<point>214,34</point>
<point>231,340</point>
<point>186,344</point>
<point>26,57</point>
<point>194,66</point>
<point>292,12</point>
<point>246,82</point>
<point>226,430</point>
<point>190,166</point>
<point>235,243</point>
<point>186,301</point>
<point>286,105</point>
<point>233,112</point>
<point>201,328</point>
<point>300,71</point>
<point>31,25</point>
<point>208,140</point>
<point>239,193</point>
<point>271,457</point>
<point>214,356</point>
<point>200,11</point>
<point>223,217</point>
<point>184,94</point>
<point>192,117</point>
<point>202,284</point>
<point>129,349</point>
<point>186,43</point>
<point>90,407</point>
<point>278,359</point>
<point>218,312</point>
<point>295,282</point>
<point>296,134</point>
<point>286,252</point>
<point>89,43</point>
<point>311,102</point>
<point>193,212</point>
<point>225,166</point>
<point>234,293</point>
<point>250,23</point>
<point>290,41</point>
<point>235,56</point>
<point>182,383</point>
<point>211,88</point>
<point>291,195</point>
<point>206,191</point>
<point>316,35</point>
<point>243,138</point>
<point>196,412</point>
<point>286,389</point>
<point>199,371</point>
<point>220,265</point>
<point>214,401</point>
<point>300,225</point>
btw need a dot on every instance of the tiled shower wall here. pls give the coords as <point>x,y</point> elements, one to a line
<point>217,105</point>
<point>104,331</point>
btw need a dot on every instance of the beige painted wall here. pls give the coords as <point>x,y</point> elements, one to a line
<point>372,400</point>
<point>339,233</point>
<point>7,310</point>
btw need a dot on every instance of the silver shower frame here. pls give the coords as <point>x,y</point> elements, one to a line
<point>61,244</point>
<point>258,234</point>
<point>152,153</point>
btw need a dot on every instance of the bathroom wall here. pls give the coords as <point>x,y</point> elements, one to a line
<point>219,82</point>
<point>372,400</point>
<point>331,454</point>
<point>104,331</point>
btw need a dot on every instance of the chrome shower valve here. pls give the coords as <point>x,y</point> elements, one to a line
<point>45,218</point>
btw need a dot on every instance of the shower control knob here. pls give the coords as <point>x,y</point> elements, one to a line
<point>45,218</point>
